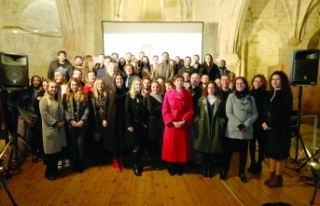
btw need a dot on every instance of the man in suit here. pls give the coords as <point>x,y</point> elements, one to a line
<point>130,76</point>
<point>155,60</point>
<point>164,70</point>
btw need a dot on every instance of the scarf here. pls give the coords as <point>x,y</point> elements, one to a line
<point>240,95</point>
<point>211,99</point>
<point>158,97</point>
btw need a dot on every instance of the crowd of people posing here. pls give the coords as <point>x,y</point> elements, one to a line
<point>178,113</point>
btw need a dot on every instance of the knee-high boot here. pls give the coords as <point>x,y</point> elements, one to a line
<point>136,166</point>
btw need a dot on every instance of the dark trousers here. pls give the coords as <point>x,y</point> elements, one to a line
<point>52,162</point>
<point>36,138</point>
<point>77,142</point>
<point>235,145</point>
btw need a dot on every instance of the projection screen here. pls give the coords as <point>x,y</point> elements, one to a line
<point>178,39</point>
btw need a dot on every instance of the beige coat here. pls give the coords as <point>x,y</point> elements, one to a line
<point>158,72</point>
<point>53,137</point>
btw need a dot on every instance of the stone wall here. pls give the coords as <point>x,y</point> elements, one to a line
<point>25,30</point>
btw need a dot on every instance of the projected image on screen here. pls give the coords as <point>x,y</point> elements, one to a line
<point>178,39</point>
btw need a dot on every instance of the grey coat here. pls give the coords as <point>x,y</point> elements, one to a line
<point>53,137</point>
<point>240,111</point>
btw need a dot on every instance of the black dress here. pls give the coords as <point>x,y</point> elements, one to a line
<point>259,96</point>
<point>278,115</point>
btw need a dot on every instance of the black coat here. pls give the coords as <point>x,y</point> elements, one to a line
<point>115,116</point>
<point>278,115</point>
<point>155,123</point>
<point>196,94</point>
<point>213,74</point>
<point>136,118</point>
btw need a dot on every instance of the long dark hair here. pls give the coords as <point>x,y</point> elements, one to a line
<point>285,85</point>
<point>211,61</point>
<point>217,92</point>
<point>147,64</point>
<point>120,67</point>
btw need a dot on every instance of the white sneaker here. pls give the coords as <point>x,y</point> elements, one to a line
<point>68,164</point>
<point>60,164</point>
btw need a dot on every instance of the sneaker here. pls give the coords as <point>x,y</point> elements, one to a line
<point>68,164</point>
<point>59,164</point>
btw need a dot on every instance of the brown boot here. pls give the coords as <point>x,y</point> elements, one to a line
<point>271,176</point>
<point>276,181</point>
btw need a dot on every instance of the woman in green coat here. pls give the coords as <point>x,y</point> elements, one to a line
<point>210,117</point>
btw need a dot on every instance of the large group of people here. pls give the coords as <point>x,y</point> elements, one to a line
<point>178,111</point>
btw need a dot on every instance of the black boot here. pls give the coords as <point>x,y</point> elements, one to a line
<point>180,169</point>
<point>81,166</point>
<point>204,169</point>
<point>243,177</point>
<point>172,170</point>
<point>210,170</point>
<point>252,167</point>
<point>223,174</point>
<point>136,168</point>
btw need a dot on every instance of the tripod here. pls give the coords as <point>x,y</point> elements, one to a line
<point>2,181</point>
<point>295,129</point>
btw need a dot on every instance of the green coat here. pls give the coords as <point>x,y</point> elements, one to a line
<point>210,135</point>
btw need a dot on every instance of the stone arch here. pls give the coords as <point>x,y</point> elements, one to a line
<point>314,42</point>
<point>45,21</point>
<point>260,52</point>
<point>307,17</point>
<point>263,23</point>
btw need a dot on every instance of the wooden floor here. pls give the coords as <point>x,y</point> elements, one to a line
<point>102,185</point>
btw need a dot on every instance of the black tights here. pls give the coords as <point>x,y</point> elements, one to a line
<point>233,145</point>
<point>252,148</point>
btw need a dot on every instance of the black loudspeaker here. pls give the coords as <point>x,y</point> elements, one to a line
<point>14,71</point>
<point>304,67</point>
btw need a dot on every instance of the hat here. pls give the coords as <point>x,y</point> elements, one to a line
<point>63,71</point>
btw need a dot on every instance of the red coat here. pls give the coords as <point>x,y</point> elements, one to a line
<point>176,141</point>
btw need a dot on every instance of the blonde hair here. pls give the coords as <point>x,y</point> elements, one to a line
<point>49,98</point>
<point>132,92</point>
<point>78,96</point>
<point>95,89</point>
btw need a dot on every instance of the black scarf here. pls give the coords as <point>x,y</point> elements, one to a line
<point>241,94</point>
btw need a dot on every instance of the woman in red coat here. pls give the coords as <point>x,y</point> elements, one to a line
<point>177,113</point>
